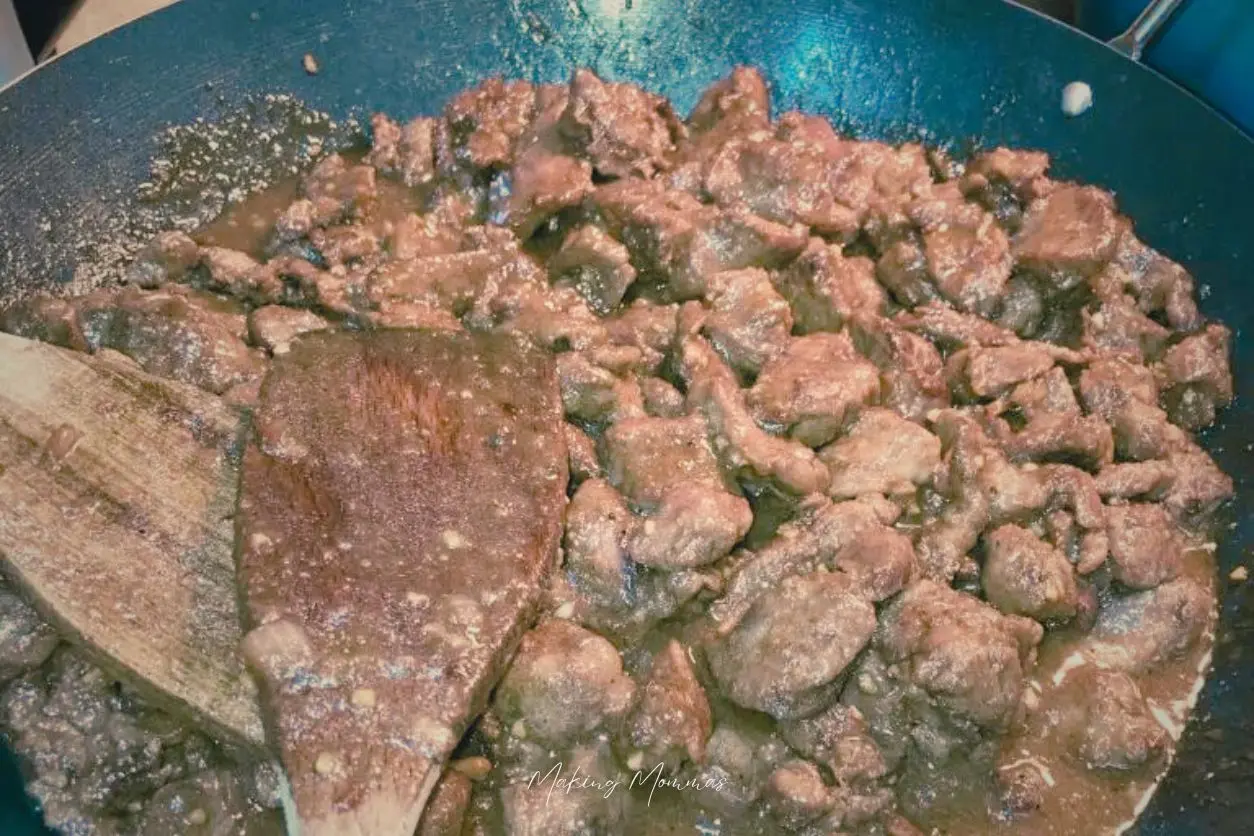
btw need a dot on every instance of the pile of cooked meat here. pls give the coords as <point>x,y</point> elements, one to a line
<point>884,510</point>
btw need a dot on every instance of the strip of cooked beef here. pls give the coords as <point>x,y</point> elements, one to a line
<point>540,184</point>
<point>968,656</point>
<point>813,387</point>
<point>1197,379</point>
<point>825,287</point>
<point>749,322</point>
<point>802,635</point>
<point>273,327</point>
<point>167,258</point>
<point>735,106</point>
<point>1136,632</point>
<point>950,329</point>
<point>796,795</point>
<point>647,457</point>
<point>620,128</point>
<point>407,152</point>
<point>670,721</point>
<point>744,449</point>
<point>564,682</point>
<point>1068,235</point>
<point>482,125</point>
<point>1023,575</point>
<point>967,253</point>
<point>912,372</point>
<point>694,525</point>
<point>597,265</point>
<point>1145,550</point>
<point>174,332</point>
<point>882,453</point>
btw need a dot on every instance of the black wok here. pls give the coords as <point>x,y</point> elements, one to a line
<point>76,138</point>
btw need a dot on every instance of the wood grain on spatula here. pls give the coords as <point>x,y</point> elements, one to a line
<point>399,511</point>
<point>116,490</point>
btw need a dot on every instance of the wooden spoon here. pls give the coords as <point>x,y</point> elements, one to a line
<point>400,509</point>
<point>116,495</point>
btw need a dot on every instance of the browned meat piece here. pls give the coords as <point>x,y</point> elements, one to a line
<point>1048,395</point>
<point>825,532</point>
<point>880,559</point>
<point>1144,548</point>
<point>1118,328</point>
<point>1198,378</point>
<point>647,457</point>
<point>454,281</point>
<point>1023,308</point>
<point>967,655</point>
<point>902,268</point>
<point>218,795</point>
<point>883,453</point>
<point>365,556</point>
<point>743,447</point>
<point>1021,169</point>
<point>658,226</point>
<point>1137,632</point>
<point>49,319</point>
<point>446,810</point>
<point>592,393</point>
<point>408,152</point>
<point>837,738</point>
<point>801,635</point>
<point>240,275</point>
<point>422,314</point>
<point>749,323</point>
<point>541,183</point>
<point>1083,440</point>
<point>1135,479</point>
<point>952,329</point>
<point>648,327</point>
<point>563,683</point>
<point>338,190</point>
<point>813,387</point>
<point>1125,395</point>
<point>1199,486</point>
<point>166,259</point>
<point>482,126</point>
<point>795,794</point>
<point>1109,382</point>
<point>622,129</point>
<point>734,106</point>
<point>26,641</point>
<point>598,524</point>
<point>967,253</point>
<point>582,452</point>
<point>825,287</point>
<point>694,525</point>
<point>598,266</point>
<point>174,332</point>
<point>1071,232</point>
<point>736,238</point>
<point>878,180</point>
<point>557,319</point>
<point>671,720</point>
<point>1026,576</point>
<point>274,327</point>
<point>1157,282</point>
<point>545,810</point>
<point>662,400</point>
<point>344,245</point>
<point>989,371</point>
<point>911,369</point>
<point>781,181</point>
<point>1115,728</point>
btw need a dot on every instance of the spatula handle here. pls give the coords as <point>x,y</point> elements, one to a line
<point>1133,42</point>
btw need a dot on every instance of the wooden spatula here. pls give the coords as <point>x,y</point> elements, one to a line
<point>116,492</point>
<point>400,508</point>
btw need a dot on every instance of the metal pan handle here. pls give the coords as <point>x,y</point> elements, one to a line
<point>1133,42</point>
